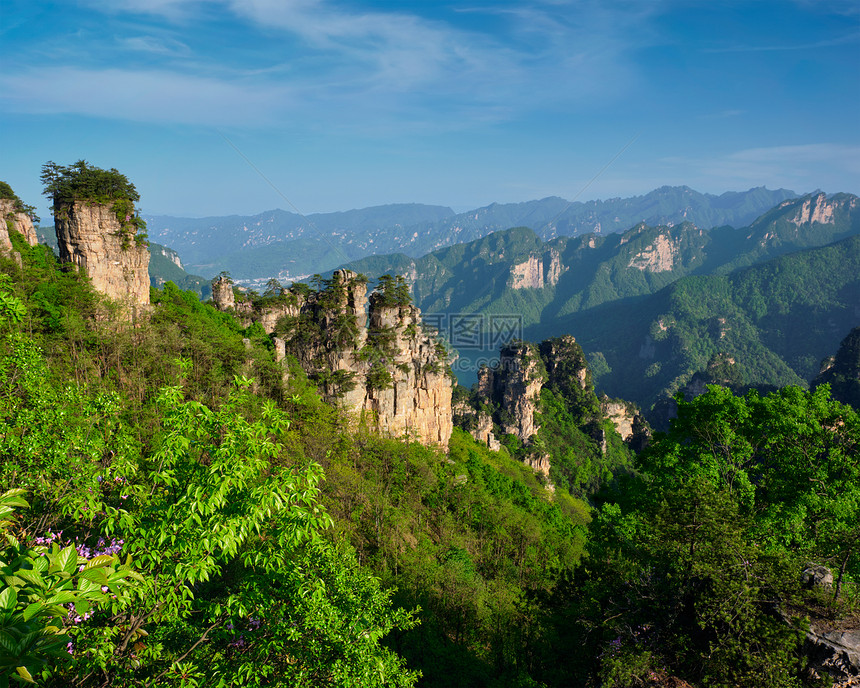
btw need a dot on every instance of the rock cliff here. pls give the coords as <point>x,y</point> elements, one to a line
<point>658,256</point>
<point>222,293</point>
<point>539,402</point>
<point>820,209</point>
<point>628,422</point>
<point>537,272</point>
<point>91,237</point>
<point>514,386</point>
<point>371,356</point>
<point>15,221</point>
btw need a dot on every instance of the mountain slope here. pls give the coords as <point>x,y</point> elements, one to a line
<point>842,371</point>
<point>513,271</point>
<point>776,320</point>
<point>288,245</point>
<point>211,244</point>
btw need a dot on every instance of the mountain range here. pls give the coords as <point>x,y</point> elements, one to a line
<point>652,305</point>
<point>289,246</point>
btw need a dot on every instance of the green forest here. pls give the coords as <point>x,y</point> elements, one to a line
<point>179,509</point>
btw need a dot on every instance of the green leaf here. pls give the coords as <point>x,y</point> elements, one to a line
<point>101,560</point>
<point>8,642</point>
<point>24,674</point>
<point>32,577</point>
<point>8,599</point>
<point>82,606</point>
<point>62,598</point>
<point>32,610</point>
<point>68,560</point>
<point>98,576</point>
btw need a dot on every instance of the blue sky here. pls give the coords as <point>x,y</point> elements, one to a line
<point>346,104</point>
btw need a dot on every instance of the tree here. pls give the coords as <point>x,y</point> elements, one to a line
<point>695,563</point>
<point>240,585</point>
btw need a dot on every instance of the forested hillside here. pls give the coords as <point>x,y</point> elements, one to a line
<point>777,320</point>
<point>180,509</point>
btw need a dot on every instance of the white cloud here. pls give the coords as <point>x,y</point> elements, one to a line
<point>829,43</point>
<point>424,72</point>
<point>158,46</point>
<point>148,96</point>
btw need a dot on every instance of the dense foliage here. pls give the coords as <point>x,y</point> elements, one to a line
<point>694,564</point>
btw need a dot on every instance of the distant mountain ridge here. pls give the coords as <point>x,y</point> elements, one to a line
<point>286,245</point>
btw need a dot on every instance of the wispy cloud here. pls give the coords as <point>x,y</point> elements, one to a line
<point>155,45</point>
<point>397,68</point>
<point>144,96</point>
<point>829,43</point>
<point>789,166</point>
<point>724,114</point>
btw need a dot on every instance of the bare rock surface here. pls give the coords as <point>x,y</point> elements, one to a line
<point>91,238</point>
<point>15,221</point>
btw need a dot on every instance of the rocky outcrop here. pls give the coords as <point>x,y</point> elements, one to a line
<point>527,275</point>
<point>628,422</point>
<point>91,238</point>
<point>15,221</point>
<point>168,254</point>
<point>553,267</point>
<point>566,366</point>
<point>222,293</point>
<point>657,257</point>
<point>540,464</point>
<point>820,209</point>
<point>478,423</point>
<point>371,357</point>
<point>515,385</point>
<point>834,653</point>
<point>536,272</point>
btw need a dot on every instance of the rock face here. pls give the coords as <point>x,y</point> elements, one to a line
<point>91,238</point>
<point>376,362</point>
<point>834,653</point>
<point>658,257</point>
<point>527,275</point>
<point>628,422</point>
<point>820,209</point>
<point>222,293</point>
<point>515,385</point>
<point>478,423</point>
<point>537,273</point>
<point>15,221</point>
